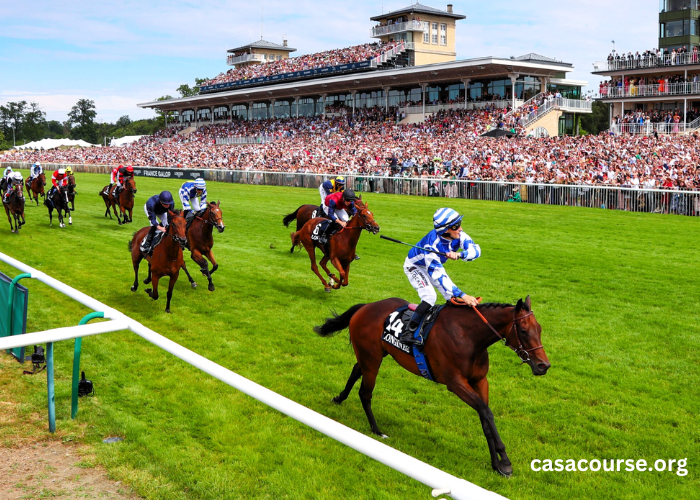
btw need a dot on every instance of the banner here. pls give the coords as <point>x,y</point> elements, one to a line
<point>186,174</point>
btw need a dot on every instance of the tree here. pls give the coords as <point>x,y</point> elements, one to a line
<point>82,121</point>
<point>13,113</point>
<point>161,114</point>
<point>34,123</point>
<point>598,120</point>
<point>124,121</point>
<point>187,91</point>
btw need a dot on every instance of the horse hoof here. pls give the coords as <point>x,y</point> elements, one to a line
<point>505,470</point>
<point>211,288</point>
<point>337,400</point>
<point>134,288</point>
<point>168,311</point>
<point>384,436</point>
<point>328,289</point>
<point>146,281</point>
<point>194,284</point>
<point>149,292</point>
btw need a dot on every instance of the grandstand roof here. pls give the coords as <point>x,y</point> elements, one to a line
<point>535,57</point>
<point>262,44</point>
<point>418,9</point>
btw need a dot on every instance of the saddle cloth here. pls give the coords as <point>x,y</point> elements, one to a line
<point>397,322</point>
<point>320,229</point>
<point>157,238</point>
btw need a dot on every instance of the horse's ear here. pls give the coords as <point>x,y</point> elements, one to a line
<point>527,303</point>
<point>519,305</point>
<point>218,202</point>
<point>367,205</point>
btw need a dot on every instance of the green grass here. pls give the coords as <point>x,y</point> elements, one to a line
<point>616,293</point>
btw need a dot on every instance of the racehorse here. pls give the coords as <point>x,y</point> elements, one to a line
<point>71,191</point>
<point>58,202</point>
<point>36,187</point>
<point>125,201</point>
<point>456,350</point>
<point>200,241</point>
<point>303,214</point>
<point>341,247</point>
<point>15,206</point>
<point>166,259</point>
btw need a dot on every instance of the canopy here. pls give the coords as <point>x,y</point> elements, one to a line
<point>123,141</point>
<point>56,143</point>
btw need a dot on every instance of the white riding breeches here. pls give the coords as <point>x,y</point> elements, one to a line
<point>419,279</point>
<point>323,194</point>
<point>339,213</point>
<point>194,203</point>
<point>163,218</point>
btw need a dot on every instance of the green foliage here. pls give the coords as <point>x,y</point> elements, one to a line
<point>614,292</point>
<point>598,121</point>
<point>123,121</point>
<point>82,120</point>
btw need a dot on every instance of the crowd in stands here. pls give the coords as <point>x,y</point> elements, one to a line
<point>650,85</point>
<point>653,58</point>
<point>356,53</point>
<point>447,144</point>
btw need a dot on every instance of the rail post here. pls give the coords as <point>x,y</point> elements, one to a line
<point>76,363</point>
<point>11,300</point>
<point>50,387</point>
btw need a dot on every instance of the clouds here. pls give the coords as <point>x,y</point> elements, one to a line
<point>122,53</point>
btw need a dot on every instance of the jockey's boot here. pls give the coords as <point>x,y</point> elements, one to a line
<point>407,337</point>
<point>189,216</point>
<point>149,240</point>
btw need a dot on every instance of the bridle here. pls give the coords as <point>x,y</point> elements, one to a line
<point>523,354</point>
<point>367,226</point>
<point>180,241</point>
<point>210,219</point>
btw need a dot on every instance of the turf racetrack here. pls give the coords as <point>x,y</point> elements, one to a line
<point>616,293</point>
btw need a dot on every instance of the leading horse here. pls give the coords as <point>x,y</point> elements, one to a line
<point>35,187</point>
<point>340,250</point>
<point>14,209</point>
<point>70,186</point>
<point>166,259</point>
<point>456,350</point>
<point>200,241</point>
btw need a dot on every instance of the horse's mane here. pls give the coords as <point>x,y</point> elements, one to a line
<point>176,211</point>
<point>499,305</point>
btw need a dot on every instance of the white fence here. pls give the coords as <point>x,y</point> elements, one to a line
<point>435,478</point>
<point>395,28</point>
<point>648,128</point>
<point>650,61</point>
<point>245,140</point>
<point>434,108</point>
<point>656,90</point>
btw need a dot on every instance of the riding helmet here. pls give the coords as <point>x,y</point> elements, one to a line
<point>199,183</point>
<point>340,180</point>
<point>349,195</point>
<point>444,218</point>
<point>165,198</point>
<point>69,171</point>
<point>61,171</point>
<point>129,169</point>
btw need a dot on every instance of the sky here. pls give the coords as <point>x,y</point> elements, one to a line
<point>121,53</point>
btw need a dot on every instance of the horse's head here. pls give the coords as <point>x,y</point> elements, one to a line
<point>215,217</point>
<point>42,178</point>
<point>524,338</point>
<point>366,217</point>
<point>130,184</point>
<point>177,227</point>
<point>70,185</point>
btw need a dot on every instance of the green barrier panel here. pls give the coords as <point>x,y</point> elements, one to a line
<point>14,299</point>
<point>76,363</point>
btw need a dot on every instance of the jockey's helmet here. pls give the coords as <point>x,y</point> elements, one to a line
<point>69,171</point>
<point>9,170</point>
<point>446,218</point>
<point>61,171</point>
<point>130,170</point>
<point>349,195</point>
<point>165,198</point>
<point>38,164</point>
<point>199,183</point>
<point>340,180</point>
<point>17,176</point>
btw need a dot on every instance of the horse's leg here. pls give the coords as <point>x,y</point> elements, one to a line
<point>311,249</point>
<point>9,219</point>
<point>70,216</point>
<point>153,293</point>
<point>291,235</point>
<point>147,280</point>
<point>324,265</point>
<point>214,265</point>
<point>50,216</point>
<point>171,285</point>
<point>193,284</point>
<point>347,274</point>
<point>354,377</point>
<point>336,263</point>
<point>464,391</point>
<point>203,266</point>
<point>136,261</point>
<point>369,377</point>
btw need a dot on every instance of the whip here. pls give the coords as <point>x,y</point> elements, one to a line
<point>414,246</point>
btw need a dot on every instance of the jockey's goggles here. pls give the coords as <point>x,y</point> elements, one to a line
<point>454,227</point>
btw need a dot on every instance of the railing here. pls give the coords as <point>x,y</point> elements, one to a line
<point>649,128</point>
<point>434,108</point>
<point>561,103</point>
<point>233,60</point>
<point>395,28</point>
<point>245,140</point>
<point>388,55</point>
<point>664,201</point>
<point>442,482</point>
<point>652,61</point>
<point>675,5</point>
<point>657,90</point>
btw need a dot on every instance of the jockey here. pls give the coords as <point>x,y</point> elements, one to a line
<point>332,186</point>
<point>69,171</point>
<point>14,179</point>
<point>189,192</point>
<point>336,210</point>
<point>59,179</point>
<point>156,209</point>
<point>425,270</point>
<point>119,175</point>
<point>35,172</point>
<point>7,173</point>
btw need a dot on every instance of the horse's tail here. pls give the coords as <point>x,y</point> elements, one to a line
<point>337,323</point>
<point>290,217</point>
<point>131,241</point>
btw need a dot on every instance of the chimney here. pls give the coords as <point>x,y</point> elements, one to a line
<point>449,8</point>
<point>284,42</point>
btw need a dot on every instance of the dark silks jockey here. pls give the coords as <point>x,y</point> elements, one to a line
<point>156,209</point>
<point>339,204</point>
<point>189,194</point>
<point>425,269</point>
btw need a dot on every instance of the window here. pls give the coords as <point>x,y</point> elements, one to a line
<point>443,34</point>
<point>426,32</point>
<point>435,33</point>
<point>279,58</point>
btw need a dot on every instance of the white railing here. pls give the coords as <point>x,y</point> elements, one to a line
<point>389,54</point>
<point>657,90</point>
<point>649,128</point>
<point>651,61</point>
<point>435,478</point>
<point>233,60</point>
<point>395,28</point>
<point>434,108</point>
<point>560,103</point>
<point>245,140</point>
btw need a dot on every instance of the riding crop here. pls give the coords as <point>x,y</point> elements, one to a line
<point>414,246</point>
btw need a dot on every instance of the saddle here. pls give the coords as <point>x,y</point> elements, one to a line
<point>322,234</point>
<point>157,238</point>
<point>397,322</point>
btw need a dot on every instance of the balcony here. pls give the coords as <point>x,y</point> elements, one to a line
<point>390,29</point>
<point>672,89</point>
<point>677,5</point>
<point>646,62</point>
<point>232,61</point>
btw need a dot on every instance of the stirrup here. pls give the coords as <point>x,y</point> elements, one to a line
<point>408,337</point>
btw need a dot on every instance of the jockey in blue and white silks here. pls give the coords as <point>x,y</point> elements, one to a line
<point>425,270</point>
<point>189,192</point>
<point>35,172</point>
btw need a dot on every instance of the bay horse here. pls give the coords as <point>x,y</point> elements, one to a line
<point>166,259</point>
<point>456,350</point>
<point>36,187</point>
<point>302,215</point>
<point>125,200</point>
<point>70,187</point>
<point>60,205</point>
<point>14,209</point>
<point>200,241</point>
<point>341,246</point>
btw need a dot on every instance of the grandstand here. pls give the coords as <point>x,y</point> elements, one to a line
<point>412,67</point>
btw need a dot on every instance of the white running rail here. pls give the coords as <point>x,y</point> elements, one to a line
<point>440,481</point>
